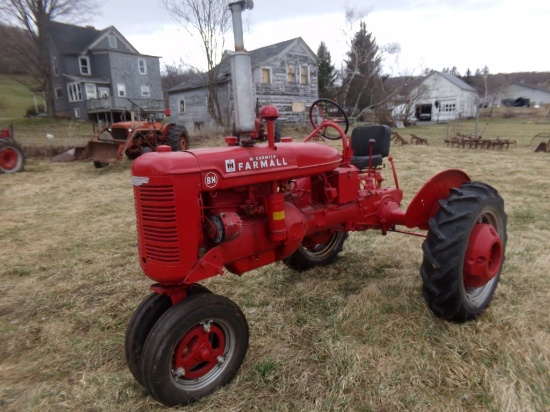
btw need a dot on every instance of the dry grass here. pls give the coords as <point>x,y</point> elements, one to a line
<point>353,336</point>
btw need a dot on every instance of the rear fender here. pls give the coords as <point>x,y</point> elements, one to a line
<point>426,202</point>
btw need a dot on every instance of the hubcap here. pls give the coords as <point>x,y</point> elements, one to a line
<point>483,256</point>
<point>8,159</point>
<point>199,351</point>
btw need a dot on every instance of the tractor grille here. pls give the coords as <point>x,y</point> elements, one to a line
<point>159,225</point>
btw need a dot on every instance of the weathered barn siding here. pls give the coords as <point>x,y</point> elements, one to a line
<point>279,91</point>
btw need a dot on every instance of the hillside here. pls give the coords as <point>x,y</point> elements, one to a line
<point>15,96</point>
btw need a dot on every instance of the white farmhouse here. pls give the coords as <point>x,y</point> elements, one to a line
<point>445,97</point>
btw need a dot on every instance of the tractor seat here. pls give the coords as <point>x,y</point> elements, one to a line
<point>360,137</point>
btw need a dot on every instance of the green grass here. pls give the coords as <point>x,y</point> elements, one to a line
<point>15,97</point>
<point>353,336</point>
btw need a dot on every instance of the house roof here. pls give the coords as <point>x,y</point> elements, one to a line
<point>75,40</point>
<point>455,80</point>
<point>72,39</point>
<point>258,57</point>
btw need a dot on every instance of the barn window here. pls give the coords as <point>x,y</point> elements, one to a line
<point>145,92</point>
<point>266,75</point>
<point>121,90</point>
<point>181,106</point>
<point>112,41</point>
<point>291,73</point>
<point>84,62</point>
<point>55,68</point>
<point>142,66</point>
<point>304,74</point>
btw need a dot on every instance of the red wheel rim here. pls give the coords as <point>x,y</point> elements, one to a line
<point>199,351</point>
<point>8,159</point>
<point>483,256</point>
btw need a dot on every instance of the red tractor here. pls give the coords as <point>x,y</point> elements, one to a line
<point>132,138</point>
<point>12,156</point>
<point>201,213</point>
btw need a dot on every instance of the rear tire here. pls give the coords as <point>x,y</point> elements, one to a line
<point>312,255</point>
<point>144,318</point>
<point>12,156</point>
<point>178,138</point>
<point>446,279</point>
<point>196,347</point>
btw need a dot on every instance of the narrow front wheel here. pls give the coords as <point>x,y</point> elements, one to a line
<point>196,347</point>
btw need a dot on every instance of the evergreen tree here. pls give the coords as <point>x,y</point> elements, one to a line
<point>362,72</point>
<point>327,72</point>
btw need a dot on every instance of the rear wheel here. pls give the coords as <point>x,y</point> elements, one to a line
<point>196,347</point>
<point>178,138</point>
<point>464,252</point>
<point>311,254</point>
<point>144,318</point>
<point>12,156</point>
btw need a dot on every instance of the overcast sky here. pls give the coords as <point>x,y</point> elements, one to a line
<point>506,35</point>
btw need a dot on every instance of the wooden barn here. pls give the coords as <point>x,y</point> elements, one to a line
<point>284,75</point>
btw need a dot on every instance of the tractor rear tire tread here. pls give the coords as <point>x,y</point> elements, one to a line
<point>445,248</point>
<point>175,137</point>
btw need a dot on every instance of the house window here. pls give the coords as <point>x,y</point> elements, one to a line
<point>112,41</point>
<point>84,65</point>
<point>91,92</point>
<point>145,91</point>
<point>304,74</point>
<point>121,88</point>
<point>142,66</point>
<point>291,73</point>
<point>74,92</point>
<point>181,106</point>
<point>103,92</point>
<point>266,75</point>
<point>54,66</point>
<point>58,93</point>
<point>76,112</point>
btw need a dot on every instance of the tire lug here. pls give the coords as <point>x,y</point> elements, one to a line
<point>221,359</point>
<point>206,326</point>
<point>179,373</point>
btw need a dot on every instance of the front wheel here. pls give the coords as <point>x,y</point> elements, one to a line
<point>311,254</point>
<point>144,318</point>
<point>196,347</point>
<point>464,252</point>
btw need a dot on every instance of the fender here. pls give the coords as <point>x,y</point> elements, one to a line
<point>425,203</point>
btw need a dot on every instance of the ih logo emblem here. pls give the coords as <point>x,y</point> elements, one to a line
<point>211,180</point>
<point>230,165</point>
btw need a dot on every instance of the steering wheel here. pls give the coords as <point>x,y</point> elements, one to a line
<point>327,110</point>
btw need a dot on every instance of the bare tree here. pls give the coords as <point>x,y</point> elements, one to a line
<point>210,20</point>
<point>35,17</point>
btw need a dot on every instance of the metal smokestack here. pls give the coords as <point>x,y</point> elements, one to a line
<point>241,73</point>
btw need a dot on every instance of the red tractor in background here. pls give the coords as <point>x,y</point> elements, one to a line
<point>132,138</point>
<point>201,213</point>
<point>12,156</point>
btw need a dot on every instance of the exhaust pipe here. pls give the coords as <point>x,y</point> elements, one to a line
<point>241,69</point>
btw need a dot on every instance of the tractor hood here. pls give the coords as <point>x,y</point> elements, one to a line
<point>227,167</point>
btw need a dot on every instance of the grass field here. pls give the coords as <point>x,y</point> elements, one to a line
<point>15,96</point>
<point>354,336</point>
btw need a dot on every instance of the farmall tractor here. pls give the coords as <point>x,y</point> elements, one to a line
<point>132,138</point>
<point>12,156</point>
<point>203,212</point>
